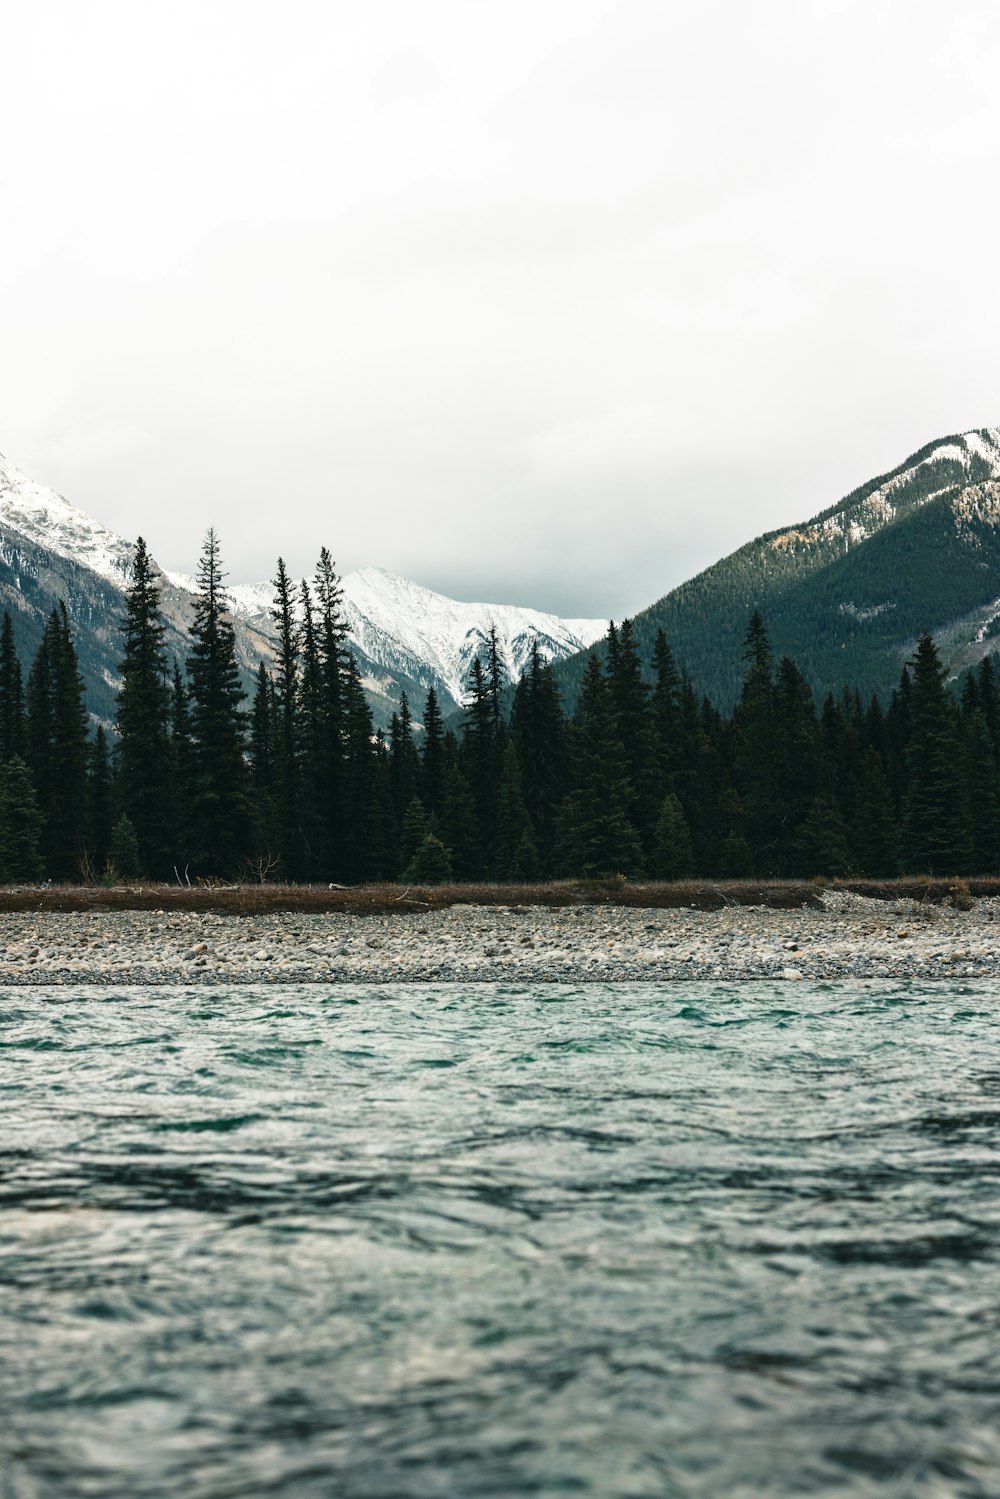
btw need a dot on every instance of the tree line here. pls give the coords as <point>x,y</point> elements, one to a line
<point>643,778</point>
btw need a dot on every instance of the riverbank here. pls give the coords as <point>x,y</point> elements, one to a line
<point>841,935</point>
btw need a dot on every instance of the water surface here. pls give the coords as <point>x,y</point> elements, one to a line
<point>434,1241</point>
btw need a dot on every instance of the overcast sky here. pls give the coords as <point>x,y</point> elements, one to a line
<point>541,301</point>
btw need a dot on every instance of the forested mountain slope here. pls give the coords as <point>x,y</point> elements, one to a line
<point>848,593</point>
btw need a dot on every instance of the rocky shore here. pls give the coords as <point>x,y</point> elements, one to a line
<point>851,936</point>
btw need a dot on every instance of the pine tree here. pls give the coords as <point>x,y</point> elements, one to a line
<point>266,837</point>
<point>183,771</point>
<point>821,842</point>
<point>674,854</point>
<point>56,742</point>
<point>285,748</point>
<point>430,864</point>
<point>629,696</point>
<point>753,763</point>
<point>331,768</point>
<point>983,793</point>
<point>513,823</point>
<point>415,830</point>
<point>11,695</point>
<point>541,737</point>
<point>123,853</point>
<point>20,824</point>
<point>460,825</point>
<point>666,714</point>
<point>596,837</point>
<point>221,821</point>
<point>100,801</point>
<point>480,758</point>
<point>432,757</point>
<point>144,762</point>
<point>403,762</point>
<point>794,760</point>
<point>935,813</point>
<point>875,841</point>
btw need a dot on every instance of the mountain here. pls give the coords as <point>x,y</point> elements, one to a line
<point>408,638</point>
<point>848,593</point>
<point>404,637</point>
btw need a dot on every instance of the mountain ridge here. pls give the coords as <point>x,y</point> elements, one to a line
<point>405,637</point>
<point>848,591</point>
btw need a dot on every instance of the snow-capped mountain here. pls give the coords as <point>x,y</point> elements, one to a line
<point>847,593</point>
<point>404,637</point>
<point>403,633</point>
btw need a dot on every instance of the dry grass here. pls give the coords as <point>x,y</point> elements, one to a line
<point>372,900</point>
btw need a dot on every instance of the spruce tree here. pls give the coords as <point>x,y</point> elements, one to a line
<point>673,854</point>
<point>100,801</point>
<point>123,852</point>
<point>430,864</point>
<point>432,757</point>
<point>56,741</point>
<point>20,824</point>
<point>935,813</point>
<point>666,714</point>
<point>753,761</point>
<point>629,696</point>
<point>460,825</point>
<point>331,768</point>
<point>221,821</point>
<point>541,737</point>
<point>183,770</point>
<point>145,785</point>
<point>415,830</point>
<point>285,749</point>
<point>11,695</point>
<point>595,834</point>
<point>515,841</point>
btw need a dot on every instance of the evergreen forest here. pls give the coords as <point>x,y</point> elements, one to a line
<point>643,778</point>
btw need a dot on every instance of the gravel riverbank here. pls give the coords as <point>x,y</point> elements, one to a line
<point>850,937</point>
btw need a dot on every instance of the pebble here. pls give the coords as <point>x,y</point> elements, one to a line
<point>851,938</point>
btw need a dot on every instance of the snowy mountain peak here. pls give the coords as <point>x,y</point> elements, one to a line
<point>45,518</point>
<point>401,627</point>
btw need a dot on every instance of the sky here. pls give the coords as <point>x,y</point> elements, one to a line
<point>548,302</point>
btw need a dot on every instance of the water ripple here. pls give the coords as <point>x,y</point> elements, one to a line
<point>606,1240</point>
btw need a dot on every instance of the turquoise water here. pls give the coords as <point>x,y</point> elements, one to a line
<point>434,1241</point>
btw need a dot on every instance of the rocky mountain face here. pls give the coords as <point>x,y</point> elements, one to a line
<point>404,637</point>
<point>848,592</point>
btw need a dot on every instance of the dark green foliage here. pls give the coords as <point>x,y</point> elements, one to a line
<point>100,801</point>
<point>11,695</point>
<point>645,780</point>
<point>935,832</point>
<point>673,852</point>
<point>820,845</point>
<point>432,756</point>
<point>56,746</point>
<point>285,766</point>
<point>123,852</point>
<point>20,824</point>
<point>145,782</point>
<point>415,830</point>
<point>515,842</point>
<point>430,864</point>
<point>844,593</point>
<point>221,814</point>
<point>595,834</point>
<point>460,825</point>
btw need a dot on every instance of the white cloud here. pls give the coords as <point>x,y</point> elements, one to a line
<point>556,299</point>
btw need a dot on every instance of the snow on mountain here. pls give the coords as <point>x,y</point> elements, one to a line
<point>48,520</point>
<point>397,627</point>
<point>405,637</point>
